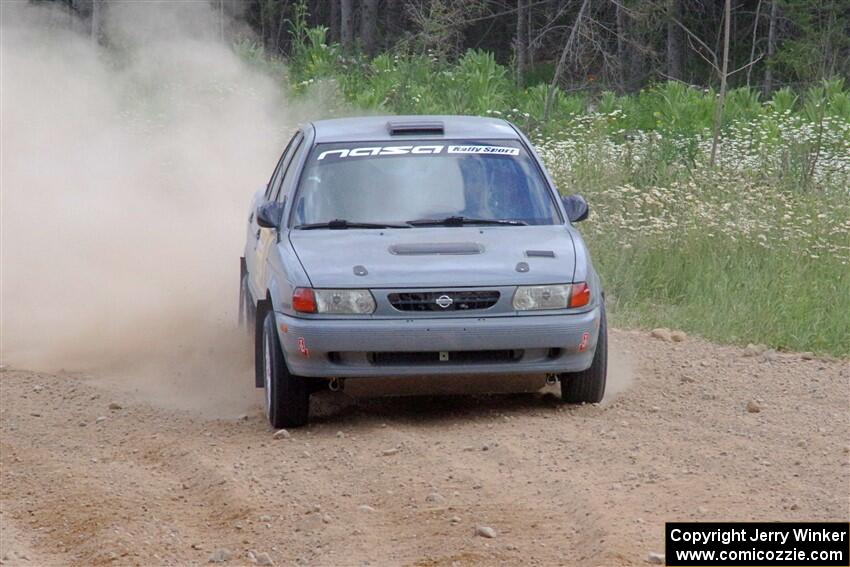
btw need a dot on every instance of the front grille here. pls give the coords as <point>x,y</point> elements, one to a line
<point>452,357</point>
<point>443,300</point>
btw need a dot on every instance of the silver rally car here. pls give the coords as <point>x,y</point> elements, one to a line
<point>416,246</point>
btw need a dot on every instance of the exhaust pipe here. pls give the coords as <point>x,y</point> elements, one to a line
<point>336,384</point>
<point>551,379</point>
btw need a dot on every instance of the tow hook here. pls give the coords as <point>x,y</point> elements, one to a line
<point>336,384</point>
<point>551,379</point>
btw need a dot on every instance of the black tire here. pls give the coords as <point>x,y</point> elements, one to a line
<point>588,386</point>
<point>259,319</point>
<point>286,396</point>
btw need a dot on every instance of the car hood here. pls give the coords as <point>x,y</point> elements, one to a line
<point>436,257</point>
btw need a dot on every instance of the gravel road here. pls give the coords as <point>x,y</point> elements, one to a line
<point>101,470</point>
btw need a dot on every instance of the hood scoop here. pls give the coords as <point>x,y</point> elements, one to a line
<point>540,253</point>
<point>441,248</point>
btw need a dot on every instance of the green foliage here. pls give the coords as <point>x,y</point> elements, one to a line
<point>784,100</point>
<point>817,42</point>
<point>675,107</point>
<point>478,83</point>
<point>255,55</point>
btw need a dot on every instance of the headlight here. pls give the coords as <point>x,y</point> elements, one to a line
<point>339,301</point>
<point>561,296</point>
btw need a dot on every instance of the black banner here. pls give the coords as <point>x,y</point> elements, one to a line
<point>742,544</point>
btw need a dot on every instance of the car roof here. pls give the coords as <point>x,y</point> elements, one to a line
<point>378,128</point>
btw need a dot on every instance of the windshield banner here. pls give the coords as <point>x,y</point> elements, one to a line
<point>431,149</point>
<point>490,150</point>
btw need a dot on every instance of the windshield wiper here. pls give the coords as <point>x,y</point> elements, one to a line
<point>460,221</point>
<point>341,224</point>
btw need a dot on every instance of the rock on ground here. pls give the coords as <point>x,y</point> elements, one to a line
<point>263,558</point>
<point>435,498</point>
<point>678,336</point>
<point>221,556</point>
<point>754,350</point>
<point>661,333</point>
<point>485,531</point>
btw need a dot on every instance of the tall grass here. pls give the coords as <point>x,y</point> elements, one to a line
<point>754,249</point>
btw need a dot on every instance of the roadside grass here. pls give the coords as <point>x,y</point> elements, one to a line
<point>728,291</point>
<point>755,248</point>
<point>735,252</point>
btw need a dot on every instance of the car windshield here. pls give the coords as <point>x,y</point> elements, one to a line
<point>397,182</point>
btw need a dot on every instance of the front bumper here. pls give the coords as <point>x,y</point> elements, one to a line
<point>347,348</point>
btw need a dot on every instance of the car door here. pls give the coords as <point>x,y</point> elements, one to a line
<point>254,232</point>
<point>266,237</point>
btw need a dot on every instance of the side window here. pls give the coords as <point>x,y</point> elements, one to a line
<point>287,162</point>
<point>275,177</point>
<point>281,166</point>
<point>289,174</point>
<point>287,165</point>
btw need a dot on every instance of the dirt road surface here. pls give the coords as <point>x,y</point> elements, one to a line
<point>162,479</point>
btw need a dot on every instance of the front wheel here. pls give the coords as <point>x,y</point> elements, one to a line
<point>589,385</point>
<point>286,396</point>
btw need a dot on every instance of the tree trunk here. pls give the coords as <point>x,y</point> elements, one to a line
<point>529,50</point>
<point>562,62</point>
<point>753,46</point>
<point>635,45</point>
<point>334,23</point>
<point>721,99</point>
<point>316,10</point>
<point>368,25</point>
<point>521,42</point>
<point>263,22</point>
<point>771,49</point>
<point>675,41</point>
<point>75,14</point>
<point>346,13</point>
<point>638,72</point>
<point>221,20</point>
<point>96,20</point>
<point>281,23</point>
<point>622,52</point>
<point>394,21</point>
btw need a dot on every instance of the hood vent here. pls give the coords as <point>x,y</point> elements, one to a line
<point>427,248</point>
<point>416,127</point>
<point>540,253</point>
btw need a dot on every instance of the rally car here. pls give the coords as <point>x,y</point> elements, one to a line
<point>416,246</point>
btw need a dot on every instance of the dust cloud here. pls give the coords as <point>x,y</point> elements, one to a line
<point>621,369</point>
<point>126,176</point>
<point>126,173</point>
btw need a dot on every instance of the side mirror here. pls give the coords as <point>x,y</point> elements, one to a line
<point>576,206</point>
<point>270,214</point>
